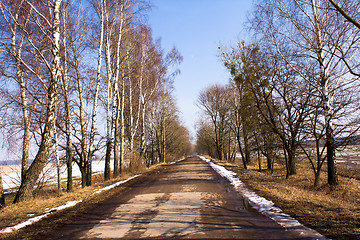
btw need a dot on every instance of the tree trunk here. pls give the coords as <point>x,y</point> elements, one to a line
<point>163,142</point>
<point>96,97</point>
<point>241,152</point>
<point>110,92</point>
<point>83,175</point>
<point>269,160</point>
<point>117,138</point>
<point>65,87</point>
<point>107,160</point>
<point>326,98</point>
<point>33,173</point>
<point>317,178</point>
<point>291,166</point>
<point>16,53</point>
<point>122,125</point>
<point>88,174</point>
<point>246,146</point>
<point>330,147</point>
<point>259,160</point>
<point>84,145</point>
<point>58,172</point>
<point>2,197</point>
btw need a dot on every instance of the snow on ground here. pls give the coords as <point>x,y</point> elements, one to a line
<point>115,184</point>
<point>59,208</point>
<point>263,205</point>
<point>176,161</point>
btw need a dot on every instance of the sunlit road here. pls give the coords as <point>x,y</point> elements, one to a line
<point>186,200</point>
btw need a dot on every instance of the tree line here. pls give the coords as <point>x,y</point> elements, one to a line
<point>294,89</point>
<point>82,81</point>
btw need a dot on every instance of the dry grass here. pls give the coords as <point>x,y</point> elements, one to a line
<point>334,212</point>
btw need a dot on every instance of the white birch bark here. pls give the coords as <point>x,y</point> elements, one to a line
<point>15,52</point>
<point>57,157</point>
<point>41,158</point>
<point>65,88</point>
<point>97,90</point>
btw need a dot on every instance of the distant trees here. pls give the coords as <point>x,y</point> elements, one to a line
<point>67,64</point>
<point>215,102</point>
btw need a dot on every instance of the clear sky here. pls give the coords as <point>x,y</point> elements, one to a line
<point>197,28</point>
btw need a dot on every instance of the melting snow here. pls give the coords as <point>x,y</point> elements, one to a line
<point>177,161</point>
<point>115,184</point>
<point>263,205</point>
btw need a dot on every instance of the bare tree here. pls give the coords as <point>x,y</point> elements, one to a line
<point>307,35</point>
<point>54,69</point>
<point>205,139</point>
<point>215,102</point>
<point>66,96</point>
<point>13,15</point>
<point>349,8</point>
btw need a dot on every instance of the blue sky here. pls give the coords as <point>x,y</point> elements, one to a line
<point>197,28</point>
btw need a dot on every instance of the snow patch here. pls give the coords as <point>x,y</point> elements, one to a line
<point>177,161</point>
<point>115,184</point>
<point>263,205</point>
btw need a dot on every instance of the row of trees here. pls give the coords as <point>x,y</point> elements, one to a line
<point>295,88</point>
<point>85,79</point>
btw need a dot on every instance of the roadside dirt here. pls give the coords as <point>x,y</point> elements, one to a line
<point>186,200</point>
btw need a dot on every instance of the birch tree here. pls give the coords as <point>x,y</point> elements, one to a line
<point>53,24</point>
<point>117,19</point>
<point>66,96</point>
<point>99,7</point>
<point>12,16</point>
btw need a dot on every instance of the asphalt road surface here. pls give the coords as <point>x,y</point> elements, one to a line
<point>186,200</point>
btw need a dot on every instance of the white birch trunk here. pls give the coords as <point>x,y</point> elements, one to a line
<point>97,91</point>
<point>41,158</point>
<point>65,87</point>
<point>58,166</point>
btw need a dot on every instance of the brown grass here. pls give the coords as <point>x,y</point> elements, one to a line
<point>334,212</point>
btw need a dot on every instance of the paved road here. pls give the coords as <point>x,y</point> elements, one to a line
<point>186,200</point>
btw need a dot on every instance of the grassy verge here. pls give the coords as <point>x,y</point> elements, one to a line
<point>14,214</point>
<point>333,212</point>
